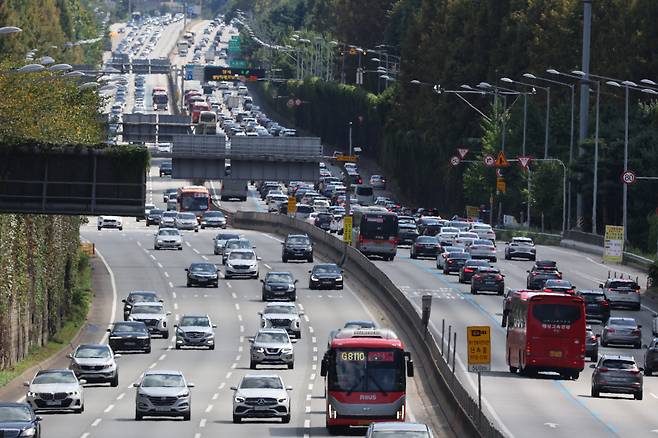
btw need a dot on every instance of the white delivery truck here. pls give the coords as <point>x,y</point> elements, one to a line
<point>234,189</point>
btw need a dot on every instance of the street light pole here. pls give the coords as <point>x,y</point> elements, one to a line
<point>595,188</point>
<point>350,139</point>
<point>625,186</point>
<point>584,92</point>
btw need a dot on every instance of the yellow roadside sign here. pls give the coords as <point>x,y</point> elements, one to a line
<point>351,158</point>
<point>479,348</point>
<point>500,184</point>
<point>347,229</point>
<point>292,205</point>
<point>613,244</point>
<point>501,161</point>
<point>88,248</point>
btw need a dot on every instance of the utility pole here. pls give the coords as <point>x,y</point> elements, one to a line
<point>584,97</point>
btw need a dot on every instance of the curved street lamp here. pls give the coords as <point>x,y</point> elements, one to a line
<point>31,68</point>
<point>10,29</point>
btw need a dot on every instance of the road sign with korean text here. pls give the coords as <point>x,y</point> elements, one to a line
<point>479,348</point>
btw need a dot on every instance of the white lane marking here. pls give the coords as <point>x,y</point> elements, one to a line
<point>176,317</point>
<point>237,358</point>
<point>175,306</point>
<point>113,282</point>
<point>96,422</point>
<point>653,395</point>
<point>306,318</point>
<point>314,367</point>
<point>240,348</point>
<point>308,396</point>
<point>315,358</point>
<point>85,435</point>
<point>312,376</point>
<point>162,357</point>
<point>315,349</point>
<point>139,243</point>
<point>241,329</point>
<point>188,244</point>
<point>267,266</point>
<point>228,375</point>
<point>171,285</point>
<point>196,250</point>
<point>160,265</point>
<point>21,400</point>
<point>233,294</point>
<point>551,425</point>
<point>307,424</point>
<point>153,365</point>
<point>209,408</point>
<point>215,396</point>
<point>108,409</point>
<point>239,317</point>
<point>202,423</point>
<point>237,306</point>
<point>120,396</point>
<point>314,340</point>
<point>222,385</point>
<point>228,285</point>
<point>310,329</point>
<point>204,257</point>
<point>173,295</point>
<point>152,256</point>
<point>310,387</point>
<point>273,238</point>
<point>166,274</point>
<point>308,409</point>
<point>241,339</point>
<point>197,435</point>
<point>301,307</point>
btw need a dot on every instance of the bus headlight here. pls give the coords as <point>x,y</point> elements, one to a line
<point>399,415</point>
<point>331,411</point>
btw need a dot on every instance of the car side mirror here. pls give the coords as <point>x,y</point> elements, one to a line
<point>70,356</point>
<point>259,258</point>
<point>187,270</point>
<point>641,368</point>
<point>214,326</point>
<point>117,355</point>
<point>82,381</point>
<point>161,300</point>
<point>293,341</point>
<point>295,282</point>
<point>234,388</point>
<point>309,271</point>
<point>301,313</point>
<point>109,330</point>
<point>645,346</point>
<point>593,366</point>
<point>191,385</point>
<point>123,301</point>
<point>288,388</point>
<point>26,383</point>
<point>136,385</point>
<point>253,247</point>
<point>639,326</point>
<point>175,325</point>
<point>262,281</point>
<point>528,271</point>
<point>38,419</point>
<point>260,313</point>
<point>168,313</point>
<point>601,285</point>
<point>598,335</point>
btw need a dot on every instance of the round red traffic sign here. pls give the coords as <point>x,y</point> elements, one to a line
<point>454,160</point>
<point>298,102</point>
<point>628,177</point>
<point>290,103</point>
<point>489,160</point>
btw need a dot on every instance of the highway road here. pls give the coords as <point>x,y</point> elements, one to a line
<point>540,407</point>
<point>109,412</point>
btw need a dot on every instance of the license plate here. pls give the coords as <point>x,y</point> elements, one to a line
<point>129,344</point>
<point>53,402</point>
<point>261,408</point>
<point>554,353</point>
<point>623,292</point>
<point>490,282</point>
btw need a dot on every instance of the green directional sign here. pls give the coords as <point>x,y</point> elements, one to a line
<point>237,63</point>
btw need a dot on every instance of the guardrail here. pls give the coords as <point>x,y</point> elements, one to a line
<point>637,261</point>
<point>462,410</point>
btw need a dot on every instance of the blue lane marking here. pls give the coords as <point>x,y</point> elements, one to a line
<point>468,298</point>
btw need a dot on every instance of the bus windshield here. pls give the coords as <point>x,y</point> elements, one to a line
<point>194,202</point>
<point>365,370</point>
<point>378,226</point>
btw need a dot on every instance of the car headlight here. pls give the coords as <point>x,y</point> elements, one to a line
<point>314,278</point>
<point>142,337</point>
<point>282,400</point>
<point>160,240</point>
<point>30,431</point>
<point>287,350</point>
<point>31,394</point>
<point>339,278</point>
<point>260,350</point>
<point>239,399</point>
<point>184,395</point>
<point>291,288</point>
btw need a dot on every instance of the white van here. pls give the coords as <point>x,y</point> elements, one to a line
<point>365,195</point>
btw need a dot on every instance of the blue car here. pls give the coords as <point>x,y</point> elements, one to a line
<point>18,420</point>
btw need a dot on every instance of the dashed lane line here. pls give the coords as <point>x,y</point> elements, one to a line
<point>96,422</point>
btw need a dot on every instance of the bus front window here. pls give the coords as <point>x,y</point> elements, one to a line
<point>194,203</point>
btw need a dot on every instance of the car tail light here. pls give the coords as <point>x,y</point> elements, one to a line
<point>610,330</point>
<point>592,338</point>
<point>605,303</point>
<point>476,277</point>
<point>535,273</point>
<point>528,350</point>
<point>492,249</point>
<point>451,261</point>
<point>548,290</point>
<point>603,370</point>
<point>635,371</point>
<point>499,277</point>
<point>559,275</point>
<point>636,332</point>
<point>468,270</point>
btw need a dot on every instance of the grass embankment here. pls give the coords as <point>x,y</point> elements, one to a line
<point>82,295</point>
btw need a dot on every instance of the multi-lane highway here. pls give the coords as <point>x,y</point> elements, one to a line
<point>134,265</point>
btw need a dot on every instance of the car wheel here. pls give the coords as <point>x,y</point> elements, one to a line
<point>148,350</point>
<point>115,381</point>
<point>189,284</point>
<point>507,257</point>
<point>252,365</point>
<point>227,276</point>
<point>217,284</point>
<point>474,291</point>
<point>604,343</point>
<point>639,345</point>
<point>595,392</point>
<point>648,371</point>
<point>310,259</point>
<point>120,228</point>
<point>284,259</point>
<point>310,286</point>
<point>147,223</point>
<point>138,416</point>
<point>512,369</point>
<point>638,395</point>
<point>196,230</point>
<point>165,335</point>
<point>293,297</point>
<point>180,248</point>
<point>177,347</point>
<point>203,227</point>
<point>494,260</point>
<point>638,307</point>
<point>81,410</point>
<point>594,357</point>
<point>533,259</point>
<point>412,255</point>
<point>237,419</point>
<point>291,366</point>
<point>99,228</point>
<point>285,419</point>
<point>335,430</point>
<point>187,415</point>
<point>212,347</point>
<point>445,272</point>
<point>298,335</point>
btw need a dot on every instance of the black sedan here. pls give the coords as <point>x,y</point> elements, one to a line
<point>202,274</point>
<point>278,286</point>
<point>597,306</point>
<point>489,279</point>
<point>454,262</point>
<point>425,246</point>
<point>536,279</point>
<point>165,168</point>
<point>130,336</point>
<point>591,344</point>
<point>154,216</point>
<point>323,221</point>
<point>407,233</point>
<point>469,267</point>
<point>138,296</point>
<point>326,276</point>
<point>19,420</point>
<point>559,286</point>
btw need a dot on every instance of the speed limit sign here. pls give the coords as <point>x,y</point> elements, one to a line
<point>454,160</point>
<point>628,177</point>
<point>489,160</point>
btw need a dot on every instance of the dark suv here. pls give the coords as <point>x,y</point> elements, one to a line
<point>596,305</point>
<point>536,279</point>
<point>618,375</point>
<point>165,168</point>
<point>297,247</point>
<point>138,296</point>
<point>279,285</point>
<point>651,358</point>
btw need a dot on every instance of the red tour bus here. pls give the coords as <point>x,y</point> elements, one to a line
<point>197,108</point>
<point>545,332</point>
<point>195,199</point>
<point>365,372</point>
<point>375,231</point>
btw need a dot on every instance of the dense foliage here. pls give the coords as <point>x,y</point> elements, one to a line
<point>455,42</point>
<point>39,257</point>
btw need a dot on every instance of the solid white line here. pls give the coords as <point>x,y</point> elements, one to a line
<point>113,282</point>
<point>267,266</point>
<point>160,265</point>
<point>96,422</point>
<point>108,409</point>
<point>120,396</point>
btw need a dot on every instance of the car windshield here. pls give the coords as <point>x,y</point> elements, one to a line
<point>163,381</point>
<point>474,263</point>
<point>233,244</point>
<point>129,328</point>
<point>558,283</point>
<point>15,413</point>
<point>623,322</point>
<point>459,255</point>
<point>186,216</point>
<point>264,382</point>
<point>227,236</point>
<point>93,351</point>
<point>54,377</point>
<point>593,298</point>
<point>213,214</point>
<point>522,241</point>
<point>399,434</point>
<point>240,255</point>
<point>279,309</point>
<point>449,230</point>
<point>166,232</point>
<point>279,278</point>
<point>619,364</point>
<point>194,321</point>
<point>147,309</point>
<point>156,212</point>
<point>171,214</point>
<point>427,239</point>
<point>298,240</point>
<point>139,297</point>
<point>326,269</point>
<point>279,338</point>
<point>365,370</point>
<point>203,267</point>
<point>623,285</point>
<point>483,242</point>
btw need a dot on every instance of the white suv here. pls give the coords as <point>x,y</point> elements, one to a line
<point>261,396</point>
<point>110,222</point>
